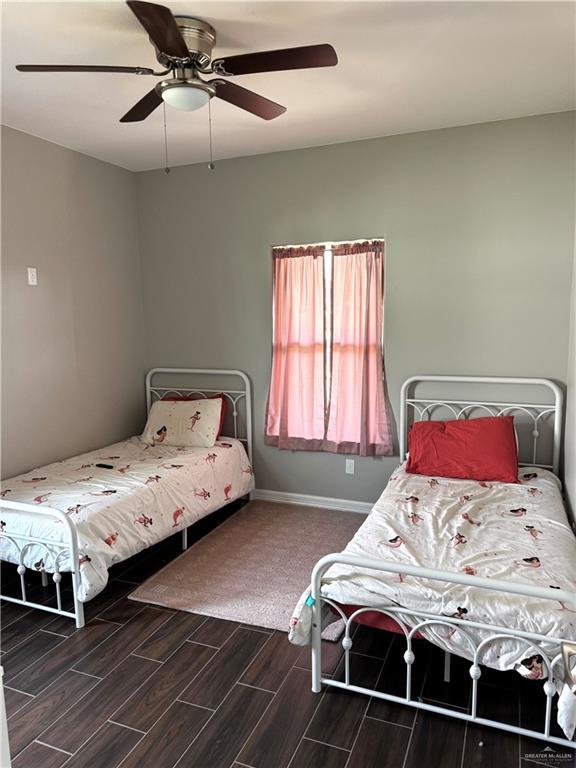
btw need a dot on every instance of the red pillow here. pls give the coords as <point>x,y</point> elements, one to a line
<point>473,449</point>
<point>212,397</point>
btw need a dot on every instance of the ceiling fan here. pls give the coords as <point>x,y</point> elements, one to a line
<point>183,46</point>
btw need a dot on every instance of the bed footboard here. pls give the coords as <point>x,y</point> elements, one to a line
<point>532,641</point>
<point>62,548</point>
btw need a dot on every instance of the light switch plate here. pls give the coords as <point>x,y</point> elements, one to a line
<point>32,276</point>
<point>349,466</point>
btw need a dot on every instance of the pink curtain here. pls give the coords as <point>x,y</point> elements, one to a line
<point>358,421</point>
<point>295,416</point>
<point>327,382</point>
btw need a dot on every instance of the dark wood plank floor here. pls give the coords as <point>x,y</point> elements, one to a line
<point>144,687</point>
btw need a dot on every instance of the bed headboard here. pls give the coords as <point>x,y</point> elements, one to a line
<point>538,421</point>
<point>161,382</point>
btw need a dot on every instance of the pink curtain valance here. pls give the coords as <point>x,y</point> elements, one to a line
<point>290,253</point>
<point>369,246</point>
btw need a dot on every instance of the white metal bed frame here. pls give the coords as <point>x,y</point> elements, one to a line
<point>65,548</point>
<point>423,408</point>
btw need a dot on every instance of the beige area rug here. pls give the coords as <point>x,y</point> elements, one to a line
<point>253,567</point>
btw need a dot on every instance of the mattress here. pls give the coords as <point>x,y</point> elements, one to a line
<point>150,493</point>
<point>513,532</point>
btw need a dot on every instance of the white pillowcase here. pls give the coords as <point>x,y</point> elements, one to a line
<point>183,423</point>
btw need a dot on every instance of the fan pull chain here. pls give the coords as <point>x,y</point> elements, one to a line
<point>211,165</point>
<point>166,168</point>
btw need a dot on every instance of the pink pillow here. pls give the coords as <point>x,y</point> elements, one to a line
<point>223,411</point>
<point>473,449</point>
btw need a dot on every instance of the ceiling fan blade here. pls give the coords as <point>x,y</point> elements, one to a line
<point>82,68</point>
<point>143,108</point>
<point>161,25</point>
<point>275,61</point>
<point>248,100</point>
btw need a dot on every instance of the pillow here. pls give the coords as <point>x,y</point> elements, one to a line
<point>183,423</point>
<point>474,449</point>
<point>223,412</point>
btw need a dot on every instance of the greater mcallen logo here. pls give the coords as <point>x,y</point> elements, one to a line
<point>548,753</point>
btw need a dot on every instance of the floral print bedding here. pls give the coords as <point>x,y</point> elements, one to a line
<point>149,493</point>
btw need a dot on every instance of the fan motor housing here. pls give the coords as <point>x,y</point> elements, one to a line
<point>200,39</point>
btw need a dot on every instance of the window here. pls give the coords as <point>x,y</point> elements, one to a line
<point>327,380</point>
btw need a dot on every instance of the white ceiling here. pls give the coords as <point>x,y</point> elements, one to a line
<point>404,66</point>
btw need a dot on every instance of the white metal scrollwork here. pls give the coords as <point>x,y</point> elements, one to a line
<point>413,622</point>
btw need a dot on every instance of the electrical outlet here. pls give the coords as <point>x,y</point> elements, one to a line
<point>349,466</point>
<point>32,276</point>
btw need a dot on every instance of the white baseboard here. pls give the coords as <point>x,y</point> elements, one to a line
<point>342,505</point>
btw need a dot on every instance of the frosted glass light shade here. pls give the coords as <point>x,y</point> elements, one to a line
<point>186,97</point>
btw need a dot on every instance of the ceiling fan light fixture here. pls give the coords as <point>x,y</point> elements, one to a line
<point>187,96</point>
<point>184,46</point>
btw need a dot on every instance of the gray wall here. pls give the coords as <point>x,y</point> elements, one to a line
<point>479,224</point>
<point>570,435</point>
<point>72,348</point>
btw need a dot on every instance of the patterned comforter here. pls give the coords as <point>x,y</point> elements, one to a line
<point>495,530</point>
<point>151,493</point>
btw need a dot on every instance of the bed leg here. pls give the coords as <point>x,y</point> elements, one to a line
<point>78,605</point>
<point>316,632</point>
<point>80,621</point>
<point>316,651</point>
<point>44,577</point>
<point>446,666</point>
<point>185,539</point>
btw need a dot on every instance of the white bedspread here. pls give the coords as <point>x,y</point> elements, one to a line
<point>152,492</point>
<point>495,530</point>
